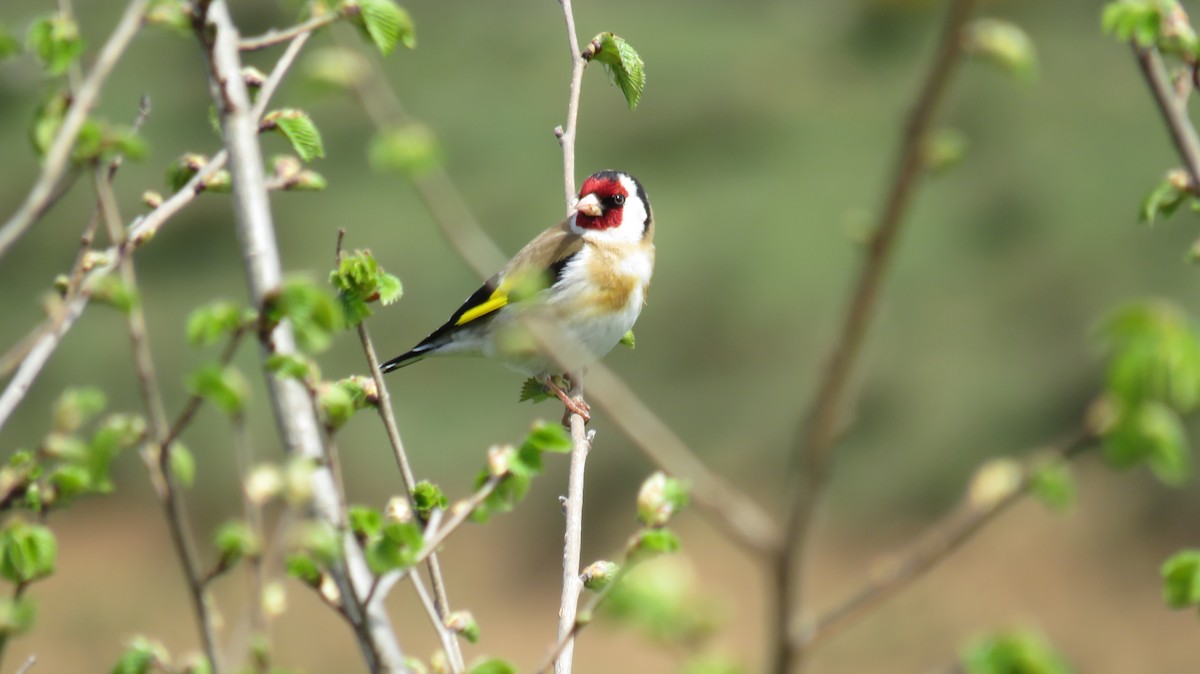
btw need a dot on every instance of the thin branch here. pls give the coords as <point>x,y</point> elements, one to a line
<point>279,36</point>
<point>459,513</point>
<point>815,440</point>
<point>252,512</point>
<point>294,414</point>
<point>1183,134</point>
<point>59,155</point>
<point>932,547</point>
<point>445,635</point>
<point>582,619</point>
<point>566,135</point>
<point>27,665</point>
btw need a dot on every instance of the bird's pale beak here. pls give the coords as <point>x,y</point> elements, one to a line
<point>590,205</point>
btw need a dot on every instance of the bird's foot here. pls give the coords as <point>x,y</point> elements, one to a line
<point>573,405</point>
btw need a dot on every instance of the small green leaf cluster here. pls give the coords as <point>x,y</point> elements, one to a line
<point>624,65</point>
<point>390,544</point>
<point>298,128</point>
<point>312,311</point>
<point>1153,377</point>
<point>1159,23</point>
<point>1166,197</point>
<point>222,385</point>
<point>384,23</point>
<point>513,468</point>
<point>144,655</point>
<point>1002,44</point>
<point>97,139</point>
<point>56,41</point>
<point>339,400</point>
<point>359,281</point>
<point>1013,652</point>
<point>1181,580</point>
<point>174,15</point>
<point>661,599</point>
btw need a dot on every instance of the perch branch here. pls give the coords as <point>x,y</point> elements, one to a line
<point>1172,107</point>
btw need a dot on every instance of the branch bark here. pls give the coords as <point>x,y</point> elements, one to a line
<point>815,440</point>
<point>59,155</point>
<point>294,414</point>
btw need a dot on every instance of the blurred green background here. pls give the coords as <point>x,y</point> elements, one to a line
<point>765,139</point>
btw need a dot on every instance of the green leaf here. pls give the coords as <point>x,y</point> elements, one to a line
<point>659,498</point>
<point>9,45</point>
<point>428,497</point>
<point>113,291</point>
<point>385,24</point>
<point>304,568</point>
<point>364,521</point>
<point>1054,486</point>
<point>623,64</point>
<point>224,386</point>
<point>183,465</point>
<point>300,131</point>
<point>411,149</point>
<point>76,406</point>
<point>322,541</point>
<point>118,432</point>
<point>628,339</point>
<point>1137,20</point>
<point>46,120</point>
<point>182,170</point>
<point>943,150</point>
<point>493,666</point>
<point>1154,355</point>
<point>16,615</point>
<point>1003,44</point>
<point>141,657</point>
<point>1166,197</point>
<point>1181,579</point>
<point>662,599</point>
<point>359,281</point>
<point>69,482</point>
<point>338,401</point>
<point>170,14</point>
<point>599,575</point>
<point>463,623</point>
<point>1013,652</point>
<point>395,548</point>
<point>56,41</point>
<point>27,552</point>
<point>313,312</point>
<point>649,543</point>
<point>210,323</point>
<point>1150,433</point>
<point>235,541</point>
<point>547,437</point>
<point>293,366</point>
<point>533,389</point>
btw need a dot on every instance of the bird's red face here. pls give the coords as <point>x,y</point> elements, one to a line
<point>601,202</point>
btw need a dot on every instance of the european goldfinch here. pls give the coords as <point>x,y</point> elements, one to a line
<point>587,276</point>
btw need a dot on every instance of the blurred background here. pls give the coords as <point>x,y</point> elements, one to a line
<point>764,139</point>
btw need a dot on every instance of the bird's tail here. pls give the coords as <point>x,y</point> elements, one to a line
<point>418,353</point>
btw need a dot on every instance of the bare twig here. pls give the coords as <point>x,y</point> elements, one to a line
<point>932,547</point>
<point>1183,134</point>
<point>448,638</point>
<point>27,665</point>
<point>279,36</point>
<point>583,619</point>
<point>294,414</point>
<point>814,446</point>
<point>566,137</point>
<point>59,155</point>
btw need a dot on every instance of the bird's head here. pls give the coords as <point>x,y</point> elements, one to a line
<point>612,205</point>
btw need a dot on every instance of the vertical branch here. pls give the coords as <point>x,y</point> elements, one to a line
<point>813,451</point>
<point>59,155</point>
<point>293,410</point>
<point>580,439</point>
<point>1172,107</point>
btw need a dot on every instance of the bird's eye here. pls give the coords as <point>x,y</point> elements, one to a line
<point>618,199</point>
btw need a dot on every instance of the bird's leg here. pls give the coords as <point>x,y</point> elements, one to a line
<point>577,406</point>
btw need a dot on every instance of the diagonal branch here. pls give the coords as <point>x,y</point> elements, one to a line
<point>294,414</point>
<point>1173,109</point>
<point>815,440</point>
<point>59,155</point>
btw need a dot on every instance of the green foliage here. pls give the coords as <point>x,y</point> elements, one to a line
<point>142,656</point>
<point>113,291</point>
<point>628,339</point>
<point>599,575</point>
<point>312,311</point>
<point>1013,652</point>
<point>335,69</point>
<point>624,65</point>
<point>1181,579</point>
<point>1166,197</point>
<point>389,545</point>
<point>1151,433</point>
<point>493,666</point>
<point>1137,20</point>
<point>943,150</point>
<point>210,323</point>
<point>56,41</point>
<point>712,665</point>
<point>384,23</point>
<point>339,400</point>
<point>411,149</point>
<point>464,624</point>
<point>1154,356</point>
<point>234,541</point>
<point>293,366</point>
<point>428,497</point>
<point>27,551</point>
<point>299,129</point>
<point>98,140</point>
<point>533,389</point>
<point>117,433</point>
<point>16,616</point>
<point>359,281</point>
<point>320,541</point>
<point>659,498</point>
<point>649,543</point>
<point>183,169</point>
<point>171,14</point>
<point>1053,485</point>
<point>1003,44</point>
<point>515,468</point>
<point>304,568</point>
<point>46,120</point>
<point>662,600</point>
<point>224,386</point>
<point>9,45</point>
<point>76,406</point>
<point>364,521</point>
<point>182,464</point>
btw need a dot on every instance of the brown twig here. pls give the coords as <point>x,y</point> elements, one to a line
<point>932,547</point>
<point>275,37</point>
<point>814,446</point>
<point>1183,134</point>
<point>58,156</point>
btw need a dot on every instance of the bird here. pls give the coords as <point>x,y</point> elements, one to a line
<point>587,276</point>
